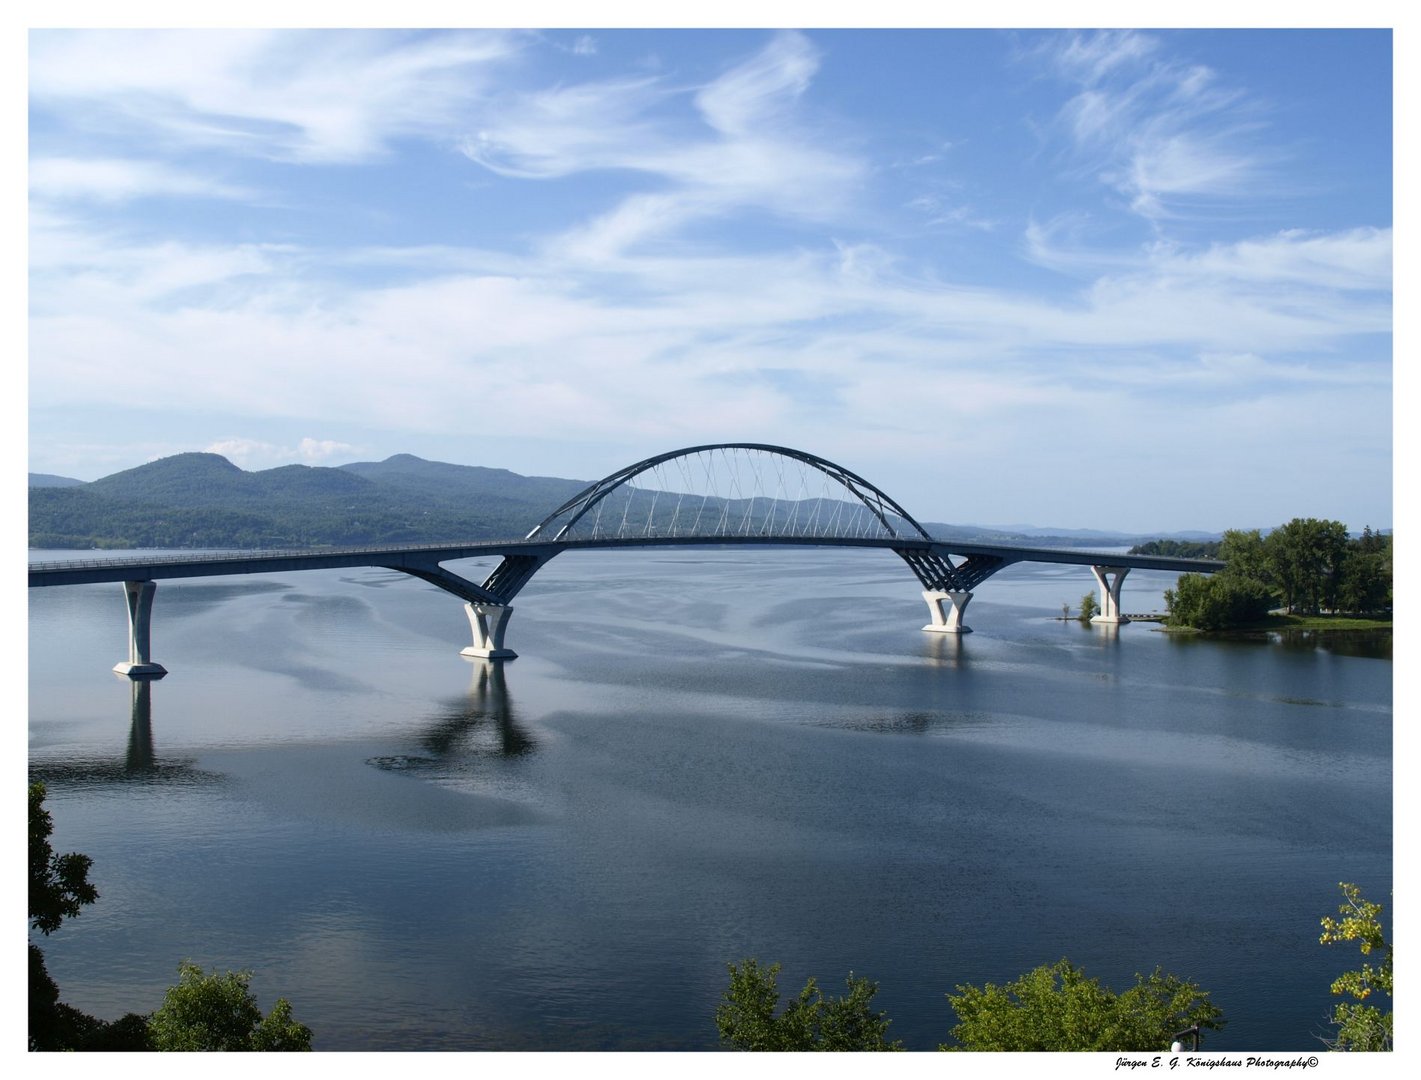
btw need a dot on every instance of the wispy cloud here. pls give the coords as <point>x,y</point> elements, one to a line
<point>747,152</point>
<point>1163,132</point>
<point>116,180</point>
<point>305,97</point>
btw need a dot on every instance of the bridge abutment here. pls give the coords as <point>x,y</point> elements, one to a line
<point>139,665</point>
<point>947,607</point>
<point>488,622</point>
<point>1110,593</point>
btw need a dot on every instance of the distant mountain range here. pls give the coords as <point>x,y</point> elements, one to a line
<point>204,501</point>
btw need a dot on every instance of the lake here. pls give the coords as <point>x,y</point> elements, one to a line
<point>699,756</point>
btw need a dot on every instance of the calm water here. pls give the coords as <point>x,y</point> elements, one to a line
<point>699,756</point>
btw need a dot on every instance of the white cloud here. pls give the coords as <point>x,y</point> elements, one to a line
<point>254,454</point>
<point>1162,132</point>
<point>746,151</point>
<point>112,180</point>
<point>295,96</point>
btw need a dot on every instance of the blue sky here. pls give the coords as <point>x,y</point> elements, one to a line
<point>1133,280</point>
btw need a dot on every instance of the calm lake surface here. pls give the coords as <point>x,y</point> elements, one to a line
<point>699,756</point>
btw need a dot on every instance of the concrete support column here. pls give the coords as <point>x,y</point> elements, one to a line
<point>488,622</point>
<point>139,665</point>
<point>1109,593</point>
<point>947,620</point>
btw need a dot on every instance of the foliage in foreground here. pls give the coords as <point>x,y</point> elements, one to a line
<point>218,1012</point>
<point>59,884</point>
<point>1057,1007</point>
<point>203,1012</point>
<point>746,1017</point>
<point>1360,1025</point>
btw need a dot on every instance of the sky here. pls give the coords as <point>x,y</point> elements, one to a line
<point>1132,280</point>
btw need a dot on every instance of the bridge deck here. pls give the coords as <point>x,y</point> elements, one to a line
<point>152,568</point>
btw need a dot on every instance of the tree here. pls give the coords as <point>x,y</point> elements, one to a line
<point>1216,602</point>
<point>1306,557</point>
<point>1057,1007</point>
<point>1360,1026</point>
<point>1366,575</point>
<point>219,1012</point>
<point>746,1017</point>
<point>1243,550</point>
<point>1088,607</point>
<point>59,884</point>
<point>59,888</point>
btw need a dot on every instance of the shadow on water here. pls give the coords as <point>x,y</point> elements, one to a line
<point>482,724</point>
<point>183,598</point>
<point>139,766</point>
<point>1364,644</point>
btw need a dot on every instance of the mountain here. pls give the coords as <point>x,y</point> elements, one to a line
<point>43,479</point>
<point>203,500</point>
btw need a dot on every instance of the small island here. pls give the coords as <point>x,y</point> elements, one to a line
<point>1309,574</point>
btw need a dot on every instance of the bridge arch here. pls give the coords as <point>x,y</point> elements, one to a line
<point>731,496</point>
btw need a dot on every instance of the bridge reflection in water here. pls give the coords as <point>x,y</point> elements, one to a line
<point>722,494</point>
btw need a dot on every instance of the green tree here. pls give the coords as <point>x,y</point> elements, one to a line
<point>1366,575</point>
<point>1243,550</point>
<point>1088,607</point>
<point>746,1017</point>
<point>1057,1007</point>
<point>59,884</point>
<point>1216,601</point>
<point>1306,559</point>
<point>59,888</point>
<point>1360,1025</point>
<point>219,1012</point>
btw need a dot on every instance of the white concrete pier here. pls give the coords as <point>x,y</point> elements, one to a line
<point>947,606</point>
<point>1110,593</point>
<point>139,665</point>
<point>488,622</point>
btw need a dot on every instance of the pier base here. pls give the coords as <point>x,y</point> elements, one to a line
<point>947,606</point>
<point>139,665</point>
<point>488,622</point>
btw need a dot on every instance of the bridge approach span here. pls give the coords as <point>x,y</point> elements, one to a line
<point>726,494</point>
<point>488,613</point>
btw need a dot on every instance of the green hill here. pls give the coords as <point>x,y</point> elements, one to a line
<point>203,500</point>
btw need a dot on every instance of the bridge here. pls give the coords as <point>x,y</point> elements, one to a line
<point>720,494</point>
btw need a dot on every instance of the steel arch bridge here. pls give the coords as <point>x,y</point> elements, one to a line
<point>720,494</point>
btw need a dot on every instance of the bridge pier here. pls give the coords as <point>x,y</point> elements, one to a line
<point>1110,593</point>
<point>139,665</point>
<point>488,622</point>
<point>947,620</point>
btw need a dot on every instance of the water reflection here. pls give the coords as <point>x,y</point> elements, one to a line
<point>1365,644</point>
<point>487,710</point>
<point>946,650</point>
<point>140,764</point>
<point>480,725</point>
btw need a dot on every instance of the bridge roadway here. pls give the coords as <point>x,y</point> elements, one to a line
<point>488,605</point>
<point>396,556</point>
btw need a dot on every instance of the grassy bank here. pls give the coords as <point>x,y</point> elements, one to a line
<point>1278,621</point>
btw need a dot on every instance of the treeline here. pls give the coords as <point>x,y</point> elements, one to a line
<point>1056,1007</point>
<point>1306,567</point>
<point>1179,549</point>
